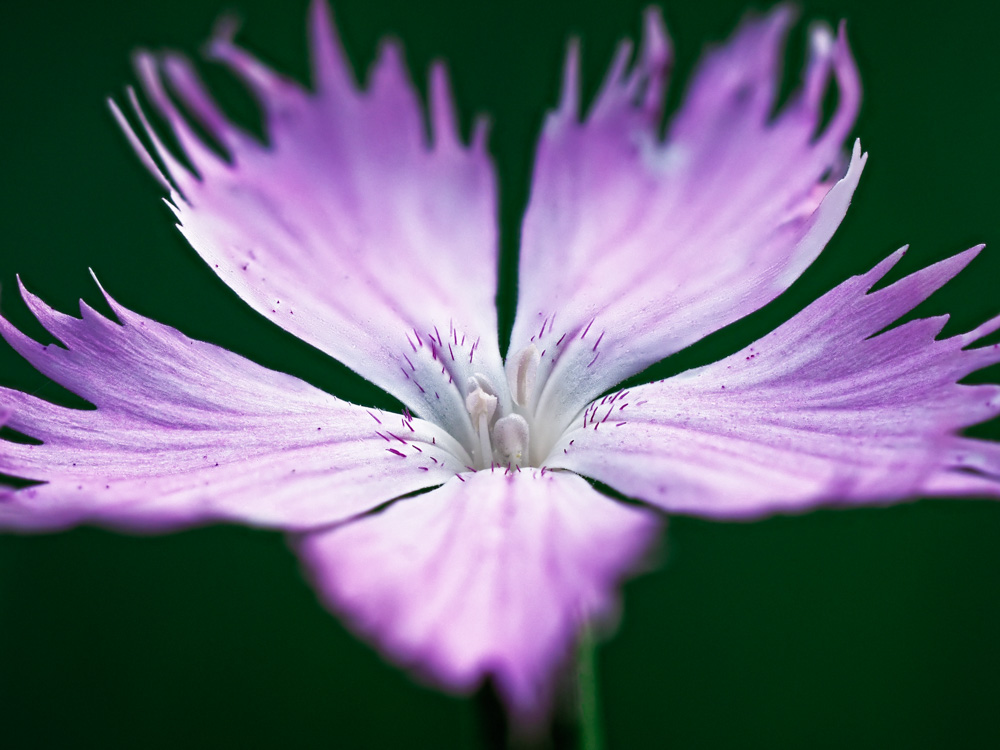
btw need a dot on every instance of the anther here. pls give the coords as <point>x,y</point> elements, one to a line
<point>481,406</point>
<point>511,436</point>
<point>521,371</point>
<point>478,380</point>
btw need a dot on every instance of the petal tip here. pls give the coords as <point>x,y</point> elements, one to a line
<point>104,292</point>
<point>481,128</point>
<point>569,102</point>
<point>226,28</point>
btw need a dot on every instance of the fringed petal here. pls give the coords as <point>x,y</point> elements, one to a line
<point>186,433</point>
<point>635,246</point>
<point>491,575</point>
<point>830,408</point>
<point>352,228</point>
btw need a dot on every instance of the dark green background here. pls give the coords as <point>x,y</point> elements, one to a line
<point>870,628</point>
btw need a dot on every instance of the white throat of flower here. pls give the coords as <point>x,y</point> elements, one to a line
<point>503,439</point>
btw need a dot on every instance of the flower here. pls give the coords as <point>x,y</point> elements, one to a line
<point>377,244</point>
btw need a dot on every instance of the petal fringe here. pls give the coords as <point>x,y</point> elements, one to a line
<point>635,245</point>
<point>186,433</point>
<point>830,408</point>
<point>352,227</point>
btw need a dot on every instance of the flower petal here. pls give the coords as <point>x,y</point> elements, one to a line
<point>185,432</point>
<point>635,246</point>
<point>352,229</point>
<point>492,574</point>
<point>826,409</point>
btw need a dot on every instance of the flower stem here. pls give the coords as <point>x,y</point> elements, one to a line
<point>588,706</point>
<point>576,720</point>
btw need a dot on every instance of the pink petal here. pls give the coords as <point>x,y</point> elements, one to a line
<point>635,247</point>
<point>353,228</point>
<point>492,575</point>
<point>185,432</point>
<point>826,409</point>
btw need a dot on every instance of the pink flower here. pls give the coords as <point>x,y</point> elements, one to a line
<point>376,242</point>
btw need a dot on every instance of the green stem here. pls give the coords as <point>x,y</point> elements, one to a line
<point>576,723</point>
<point>588,705</point>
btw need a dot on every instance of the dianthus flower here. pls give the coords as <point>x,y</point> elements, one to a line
<point>466,542</point>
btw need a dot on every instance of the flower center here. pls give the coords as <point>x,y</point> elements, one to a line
<point>503,439</point>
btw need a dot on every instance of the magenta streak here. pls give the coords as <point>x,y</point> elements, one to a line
<point>397,437</point>
<point>620,424</point>
<point>597,343</point>
<point>440,342</point>
<point>432,458</point>
<point>419,386</point>
<point>560,339</point>
<point>459,477</point>
<point>463,340</point>
<point>420,341</point>
<point>393,450</point>
<point>414,369</point>
<point>382,436</point>
<point>594,359</point>
<point>542,329</point>
<point>405,373</point>
<point>423,468</point>
<point>373,417</point>
<point>412,346</point>
<point>416,448</point>
<point>451,352</point>
<point>587,329</point>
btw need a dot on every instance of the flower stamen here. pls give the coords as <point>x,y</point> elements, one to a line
<point>511,436</point>
<point>521,372</point>
<point>482,405</point>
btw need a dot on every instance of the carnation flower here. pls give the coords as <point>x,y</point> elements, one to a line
<point>465,537</point>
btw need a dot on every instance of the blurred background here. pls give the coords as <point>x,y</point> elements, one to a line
<point>870,628</point>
